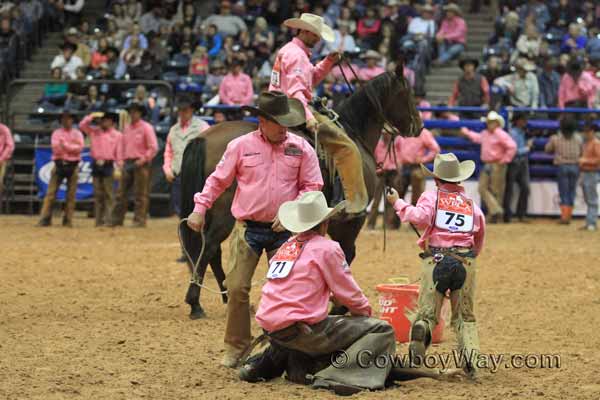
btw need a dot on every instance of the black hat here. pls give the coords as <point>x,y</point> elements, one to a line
<point>575,66</point>
<point>468,60</point>
<point>137,106</point>
<point>108,113</point>
<point>277,107</point>
<point>184,101</point>
<point>68,45</point>
<point>236,62</point>
<point>568,124</point>
<point>449,273</point>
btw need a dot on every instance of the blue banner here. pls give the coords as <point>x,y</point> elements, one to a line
<point>43,172</point>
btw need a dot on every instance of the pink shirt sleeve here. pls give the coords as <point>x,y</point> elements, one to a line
<point>224,91</point>
<point>151,143</point>
<point>456,31</point>
<point>321,70</point>
<point>9,143</point>
<point>338,277</point>
<point>479,235</point>
<point>420,215</point>
<point>562,91</point>
<point>74,146</point>
<point>168,156</point>
<point>249,92</point>
<point>86,126</point>
<point>431,144</point>
<point>310,178</point>
<point>485,88</point>
<point>219,180</point>
<point>510,147</point>
<point>472,136</point>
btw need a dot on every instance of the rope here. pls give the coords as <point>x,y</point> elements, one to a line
<point>195,278</point>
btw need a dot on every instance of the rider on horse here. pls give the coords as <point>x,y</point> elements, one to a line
<point>295,75</point>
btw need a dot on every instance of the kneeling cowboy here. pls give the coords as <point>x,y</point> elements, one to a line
<point>454,231</point>
<point>295,75</point>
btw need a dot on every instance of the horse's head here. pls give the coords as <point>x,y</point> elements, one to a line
<point>400,108</point>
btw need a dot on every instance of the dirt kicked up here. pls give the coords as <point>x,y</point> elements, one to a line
<point>99,313</point>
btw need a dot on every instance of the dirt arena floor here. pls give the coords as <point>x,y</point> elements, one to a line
<point>98,314</point>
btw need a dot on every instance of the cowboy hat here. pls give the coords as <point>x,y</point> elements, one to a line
<point>312,23</point>
<point>109,114</point>
<point>427,8</point>
<point>468,60</point>
<point>136,106</point>
<point>277,107</point>
<point>371,54</point>
<point>307,212</point>
<point>184,101</point>
<point>454,8</point>
<point>68,45</point>
<point>447,168</point>
<point>72,31</point>
<point>525,64</point>
<point>494,116</point>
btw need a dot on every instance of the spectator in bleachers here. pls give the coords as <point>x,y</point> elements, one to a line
<point>507,31</point>
<point>577,88</point>
<point>452,35</point>
<point>130,57</point>
<point>104,140</point>
<point>593,44</point>
<point>114,35</point>
<point>190,18</point>
<point>67,144</point>
<point>152,20</point>
<point>263,40</point>
<point>343,41</point>
<point>574,40</point>
<point>522,85</point>
<point>214,78</point>
<point>92,101</point>
<point>589,164</point>
<point>528,44</point>
<point>236,86</point>
<point>33,10</point>
<point>199,62</point>
<point>137,149</point>
<point>147,69</point>
<point>368,28</point>
<point>497,150</point>
<point>549,83</point>
<point>99,55</point>
<point>56,89</point>
<point>493,69</point>
<point>157,48</point>
<point>82,49</point>
<point>566,146</point>
<point>136,33</point>
<point>413,152</point>
<point>420,101</point>
<point>20,24</point>
<point>67,61</point>
<point>134,10</point>
<point>72,9</point>
<point>422,31</point>
<point>7,146</point>
<point>151,108</point>
<point>371,69</point>
<point>227,24</point>
<point>212,40</point>
<point>348,20</point>
<point>119,17</point>
<point>7,33</point>
<point>564,13</point>
<point>518,170</point>
<point>537,12</point>
<point>471,89</point>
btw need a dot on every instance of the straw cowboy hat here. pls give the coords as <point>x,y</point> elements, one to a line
<point>371,54</point>
<point>307,212</point>
<point>447,168</point>
<point>454,8</point>
<point>494,116</point>
<point>312,23</point>
<point>276,106</point>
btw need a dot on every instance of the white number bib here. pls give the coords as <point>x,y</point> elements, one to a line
<point>454,212</point>
<point>283,261</point>
<point>275,78</point>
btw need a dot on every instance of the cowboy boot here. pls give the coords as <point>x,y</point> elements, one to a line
<point>420,338</point>
<point>468,346</point>
<point>563,215</point>
<point>569,214</point>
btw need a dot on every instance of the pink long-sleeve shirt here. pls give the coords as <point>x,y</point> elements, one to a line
<point>453,29</point>
<point>496,147</point>
<point>425,114</point>
<point>366,74</point>
<point>104,144</point>
<point>66,144</point>
<point>138,142</point>
<point>422,216</point>
<point>7,144</point>
<point>303,295</point>
<point>387,160</point>
<point>236,90</point>
<point>584,89</point>
<point>267,175</point>
<point>294,74</point>
<point>420,149</point>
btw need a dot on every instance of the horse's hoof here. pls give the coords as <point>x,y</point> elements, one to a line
<point>197,313</point>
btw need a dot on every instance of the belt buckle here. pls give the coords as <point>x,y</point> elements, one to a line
<point>438,257</point>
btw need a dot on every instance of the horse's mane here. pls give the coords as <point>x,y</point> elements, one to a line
<point>356,110</point>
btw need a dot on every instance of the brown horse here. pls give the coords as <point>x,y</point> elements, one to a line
<point>386,98</point>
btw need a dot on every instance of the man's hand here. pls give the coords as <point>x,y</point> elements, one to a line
<point>100,162</point>
<point>97,114</point>
<point>195,221</point>
<point>277,227</point>
<point>139,162</point>
<point>392,196</point>
<point>117,173</point>
<point>312,124</point>
<point>169,175</point>
<point>334,56</point>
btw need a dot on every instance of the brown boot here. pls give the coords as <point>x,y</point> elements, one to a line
<point>569,212</point>
<point>563,215</point>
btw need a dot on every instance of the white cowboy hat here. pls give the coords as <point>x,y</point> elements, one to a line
<point>447,168</point>
<point>525,64</point>
<point>454,8</point>
<point>312,23</point>
<point>494,116</point>
<point>307,212</point>
<point>371,54</point>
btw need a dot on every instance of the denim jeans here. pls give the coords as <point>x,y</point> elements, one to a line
<point>567,183</point>
<point>176,196</point>
<point>260,236</point>
<point>590,194</point>
<point>517,174</point>
<point>449,51</point>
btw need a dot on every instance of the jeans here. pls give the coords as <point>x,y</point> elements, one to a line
<point>518,173</point>
<point>449,51</point>
<point>176,196</point>
<point>590,194</point>
<point>567,183</point>
<point>260,236</point>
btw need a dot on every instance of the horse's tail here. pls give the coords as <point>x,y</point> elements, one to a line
<point>192,181</point>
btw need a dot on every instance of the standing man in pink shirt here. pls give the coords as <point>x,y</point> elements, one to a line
<point>271,166</point>
<point>294,75</point>
<point>452,35</point>
<point>497,150</point>
<point>104,143</point>
<point>236,87</point>
<point>453,233</point>
<point>136,151</point>
<point>7,146</point>
<point>67,144</point>
<point>414,152</point>
<point>372,69</point>
<point>577,87</point>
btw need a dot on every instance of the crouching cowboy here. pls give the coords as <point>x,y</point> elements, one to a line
<point>325,351</point>
<point>454,231</point>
